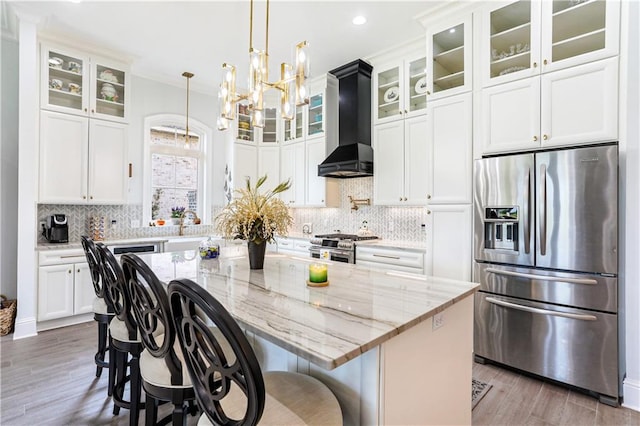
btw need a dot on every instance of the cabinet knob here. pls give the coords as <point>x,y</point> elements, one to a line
<point>406,112</point>
<point>84,197</point>
<point>544,62</point>
<point>535,65</point>
<point>400,198</point>
<point>428,92</point>
<point>428,211</point>
<point>93,111</point>
<point>91,198</point>
<point>535,139</point>
<point>322,201</point>
<point>69,271</point>
<point>400,112</point>
<point>85,110</point>
<point>428,197</point>
<point>405,198</point>
<point>545,137</point>
<point>78,270</point>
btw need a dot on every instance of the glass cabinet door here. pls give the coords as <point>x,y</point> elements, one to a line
<point>416,85</point>
<point>388,93</point>
<point>65,81</point>
<point>245,131</point>
<point>299,122</point>
<point>315,124</point>
<point>578,27</point>
<point>511,39</point>
<point>270,131</point>
<point>448,58</point>
<point>109,92</point>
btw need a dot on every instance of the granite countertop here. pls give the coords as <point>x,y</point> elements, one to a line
<point>328,326</point>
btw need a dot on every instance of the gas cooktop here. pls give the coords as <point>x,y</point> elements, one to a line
<point>352,237</point>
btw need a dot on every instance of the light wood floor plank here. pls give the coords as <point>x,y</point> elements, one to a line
<point>50,380</point>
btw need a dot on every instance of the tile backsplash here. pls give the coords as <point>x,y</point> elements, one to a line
<point>392,223</point>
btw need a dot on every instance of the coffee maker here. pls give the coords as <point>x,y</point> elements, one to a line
<point>56,229</point>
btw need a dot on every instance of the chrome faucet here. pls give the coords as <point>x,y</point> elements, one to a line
<point>180,231</point>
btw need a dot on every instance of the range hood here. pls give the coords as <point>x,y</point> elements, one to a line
<point>354,156</point>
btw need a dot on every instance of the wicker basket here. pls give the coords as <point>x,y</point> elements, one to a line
<point>7,315</point>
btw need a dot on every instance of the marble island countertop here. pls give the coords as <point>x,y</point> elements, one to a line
<point>328,326</point>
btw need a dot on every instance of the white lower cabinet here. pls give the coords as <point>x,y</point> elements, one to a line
<point>449,241</point>
<point>299,246</point>
<point>572,106</point>
<point>82,160</point>
<point>64,290</point>
<point>393,259</point>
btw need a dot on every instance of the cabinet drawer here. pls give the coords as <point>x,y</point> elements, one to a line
<point>301,246</point>
<point>58,257</point>
<point>412,259</point>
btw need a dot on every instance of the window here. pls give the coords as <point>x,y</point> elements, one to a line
<point>175,167</point>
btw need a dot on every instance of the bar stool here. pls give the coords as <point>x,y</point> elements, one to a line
<point>230,386</point>
<point>164,377</point>
<point>102,308</point>
<point>124,337</point>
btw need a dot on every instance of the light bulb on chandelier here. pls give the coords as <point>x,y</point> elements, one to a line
<point>291,80</point>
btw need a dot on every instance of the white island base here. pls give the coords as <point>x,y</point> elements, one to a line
<point>421,376</point>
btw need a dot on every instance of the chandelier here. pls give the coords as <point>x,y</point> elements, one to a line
<point>292,80</point>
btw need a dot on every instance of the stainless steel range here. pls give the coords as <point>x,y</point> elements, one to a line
<point>339,247</point>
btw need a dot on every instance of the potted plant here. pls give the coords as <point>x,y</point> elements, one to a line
<point>176,214</point>
<point>255,217</point>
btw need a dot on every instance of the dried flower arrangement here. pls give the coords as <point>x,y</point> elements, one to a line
<point>254,216</point>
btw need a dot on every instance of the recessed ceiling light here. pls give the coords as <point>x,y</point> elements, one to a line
<point>452,30</point>
<point>359,20</point>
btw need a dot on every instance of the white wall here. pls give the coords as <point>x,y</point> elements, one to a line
<point>630,178</point>
<point>150,98</point>
<point>8,166</point>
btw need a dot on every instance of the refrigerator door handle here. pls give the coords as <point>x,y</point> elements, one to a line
<point>540,311</point>
<point>586,281</point>
<point>527,212</point>
<point>543,209</point>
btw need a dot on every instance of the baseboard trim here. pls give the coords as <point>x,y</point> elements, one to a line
<point>64,322</point>
<point>25,327</point>
<point>631,392</point>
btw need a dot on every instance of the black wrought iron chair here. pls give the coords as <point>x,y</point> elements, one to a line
<point>102,308</point>
<point>124,338</point>
<point>230,386</point>
<point>164,377</point>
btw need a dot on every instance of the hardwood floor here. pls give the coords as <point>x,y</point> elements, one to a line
<point>516,399</point>
<point>50,380</point>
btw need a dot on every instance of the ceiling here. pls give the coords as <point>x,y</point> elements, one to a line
<point>162,39</point>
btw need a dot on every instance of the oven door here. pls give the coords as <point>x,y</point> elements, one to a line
<point>335,254</point>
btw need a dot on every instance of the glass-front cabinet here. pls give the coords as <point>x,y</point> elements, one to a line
<point>76,83</point>
<point>400,89</point>
<point>270,130</point>
<point>315,122</point>
<point>449,53</point>
<point>294,129</point>
<point>245,132</point>
<point>525,38</point>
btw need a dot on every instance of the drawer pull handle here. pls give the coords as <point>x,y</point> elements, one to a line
<point>386,256</point>
<point>586,281</point>
<point>70,255</point>
<point>540,311</point>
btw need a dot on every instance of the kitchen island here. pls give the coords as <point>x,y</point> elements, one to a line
<point>369,335</point>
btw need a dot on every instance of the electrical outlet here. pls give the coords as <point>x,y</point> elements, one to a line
<point>423,228</point>
<point>438,321</point>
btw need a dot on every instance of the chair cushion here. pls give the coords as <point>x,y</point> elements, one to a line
<point>154,370</point>
<point>118,330</point>
<point>291,399</point>
<point>100,307</point>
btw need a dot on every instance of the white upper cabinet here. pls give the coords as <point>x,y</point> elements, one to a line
<point>525,38</point>
<point>400,88</point>
<point>82,161</point>
<point>400,177</point>
<point>78,83</point>
<point>572,106</point>
<point>449,150</point>
<point>244,130</point>
<point>292,166</point>
<point>320,191</point>
<point>294,129</point>
<point>449,67</point>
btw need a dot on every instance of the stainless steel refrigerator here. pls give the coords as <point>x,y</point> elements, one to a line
<point>546,242</point>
